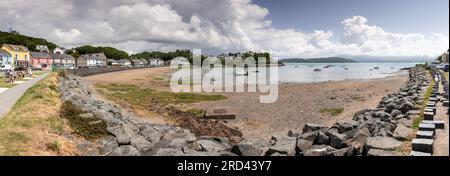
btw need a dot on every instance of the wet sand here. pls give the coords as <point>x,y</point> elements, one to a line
<point>297,103</point>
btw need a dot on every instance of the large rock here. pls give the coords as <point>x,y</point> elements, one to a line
<point>284,145</point>
<point>213,146</point>
<point>251,147</point>
<point>313,127</point>
<point>402,132</point>
<point>406,106</point>
<point>141,144</point>
<point>345,126</point>
<point>151,134</point>
<point>125,150</point>
<point>123,133</point>
<point>319,150</point>
<point>107,145</point>
<point>87,149</point>
<point>383,143</point>
<point>383,116</point>
<point>359,140</point>
<point>322,138</point>
<point>378,152</point>
<point>396,113</point>
<point>303,145</point>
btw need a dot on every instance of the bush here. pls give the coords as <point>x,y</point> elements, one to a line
<point>83,126</point>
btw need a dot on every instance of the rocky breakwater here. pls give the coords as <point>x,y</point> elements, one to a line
<point>127,135</point>
<point>371,132</point>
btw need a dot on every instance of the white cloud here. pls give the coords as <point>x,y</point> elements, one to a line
<point>212,25</point>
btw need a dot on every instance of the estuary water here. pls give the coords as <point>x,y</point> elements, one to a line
<point>307,72</point>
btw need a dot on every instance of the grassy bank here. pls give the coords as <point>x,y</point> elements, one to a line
<point>136,96</point>
<point>426,97</point>
<point>446,75</point>
<point>33,126</point>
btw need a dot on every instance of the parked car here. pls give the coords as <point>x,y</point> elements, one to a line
<point>5,67</point>
<point>446,68</point>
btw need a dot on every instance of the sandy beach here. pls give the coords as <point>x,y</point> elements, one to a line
<point>297,103</point>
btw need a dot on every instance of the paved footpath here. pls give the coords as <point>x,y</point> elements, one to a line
<point>10,96</point>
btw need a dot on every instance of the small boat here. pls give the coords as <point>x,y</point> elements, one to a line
<point>376,68</point>
<point>370,69</point>
<point>346,68</point>
<point>241,73</point>
<point>317,70</point>
<point>392,67</point>
<point>328,66</point>
<point>296,67</point>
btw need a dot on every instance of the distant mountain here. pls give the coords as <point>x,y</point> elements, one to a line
<point>318,60</point>
<point>388,59</point>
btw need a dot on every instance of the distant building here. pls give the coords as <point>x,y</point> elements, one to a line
<point>66,61</point>
<point>58,50</point>
<point>42,48</point>
<point>41,60</point>
<point>20,54</point>
<point>114,63</point>
<point>124,62</point>
<point>156,62</point>
<point>5,59</point>
<point>92,60</point>
<point>445,57</point>
<point>138,63</point>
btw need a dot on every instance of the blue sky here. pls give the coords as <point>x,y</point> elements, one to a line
<point>299,28</point>
<point>397,16</point>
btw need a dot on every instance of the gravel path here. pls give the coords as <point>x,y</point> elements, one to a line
<point>9,97</point>
<point>441,143</point>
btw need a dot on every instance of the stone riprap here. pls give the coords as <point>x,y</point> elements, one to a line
<point>130,135</point>
<point>374,132</point>
<point>371,132</point>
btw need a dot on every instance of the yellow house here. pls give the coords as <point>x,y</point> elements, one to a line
<point>20,54</point>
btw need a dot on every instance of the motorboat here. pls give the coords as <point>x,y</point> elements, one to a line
<point>241,73</point>
<point>317,70</point>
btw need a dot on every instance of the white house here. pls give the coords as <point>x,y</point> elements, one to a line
<point>42,48</point>
<point>156,62</point>
<point>58,50</point>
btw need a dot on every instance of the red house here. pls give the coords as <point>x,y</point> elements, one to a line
<point>41,61</point>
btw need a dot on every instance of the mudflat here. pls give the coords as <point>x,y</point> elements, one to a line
<point>297,103</point>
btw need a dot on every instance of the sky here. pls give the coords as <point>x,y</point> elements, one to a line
<point>285,28</point>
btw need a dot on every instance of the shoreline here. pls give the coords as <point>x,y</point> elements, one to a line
<point>298,103</point>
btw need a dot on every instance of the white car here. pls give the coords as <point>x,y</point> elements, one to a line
<point>5,67</point>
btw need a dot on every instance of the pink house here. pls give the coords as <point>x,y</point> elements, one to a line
<point>41,60</point>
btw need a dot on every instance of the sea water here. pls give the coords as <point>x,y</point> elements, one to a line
<point>305,72</point>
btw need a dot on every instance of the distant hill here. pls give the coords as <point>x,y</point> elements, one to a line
<point>19,39</point>
<point>318,60</point>
<point>110,52</point>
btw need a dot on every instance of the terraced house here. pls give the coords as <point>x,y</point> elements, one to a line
<point>5,60</point>
<point>20,54</point>
<point>41,60</point>
<point>92,60</point>
<point>63,60</point>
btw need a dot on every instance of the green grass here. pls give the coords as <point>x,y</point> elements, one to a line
<point>137,96</point>
<point>446,75</point>
<point>81,125</point>
<point>158,79</point>
<point>427,95</point>
<point>4,84</point>
<point>36,111</point>
<point>196,112</point>
<point>332,111</point>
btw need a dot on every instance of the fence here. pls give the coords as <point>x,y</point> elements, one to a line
<point>100,70</point>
